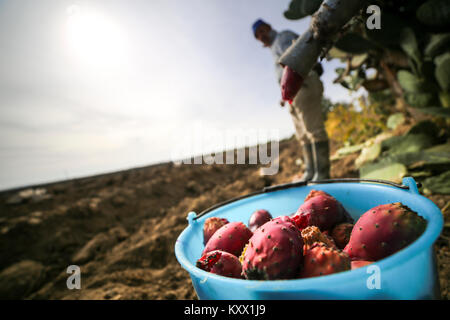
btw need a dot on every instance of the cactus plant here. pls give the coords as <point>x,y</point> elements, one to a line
<point>408,43</point>
<point>390,35</point>
<point>444,97</point>
<point>436,111</point>
<point>438,184</point>
<point>426,127</point>
<point>395,120</point>
<point>354,43</point>
<point>383,171</point>
<point>368,154</point>
<point>421,99</point>
<point>442,72</point>
<point>437,44</point>
<point>412,83</point>
<point>412,32</point>
<point>434,13</point>
<point>412,142</point>
<point>301,8</point>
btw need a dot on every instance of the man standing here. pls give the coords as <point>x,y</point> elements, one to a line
<point>305,108</point>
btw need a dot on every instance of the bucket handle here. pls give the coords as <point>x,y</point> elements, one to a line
<point>408,183</point>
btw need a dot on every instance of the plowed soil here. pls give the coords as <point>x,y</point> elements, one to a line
<point>121,228</point>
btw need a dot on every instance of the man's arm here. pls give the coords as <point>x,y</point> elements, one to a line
<point>284,41</point>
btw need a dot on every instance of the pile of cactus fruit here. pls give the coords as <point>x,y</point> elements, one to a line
<point>319,239</point>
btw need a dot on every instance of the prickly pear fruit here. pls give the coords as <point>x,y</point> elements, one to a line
<point>221,263</point>
<point>321,210</point>
<point>359,264</point>
<point>258,218</point>
<point>321,260</point>
<point>341,234</point>
<point>231,237</point>
<point>384,230</point>
<point>315,193</point>
<point>291,82</point>
<point>312,234</point>
<point>211,225</point>
<point>275,251</point>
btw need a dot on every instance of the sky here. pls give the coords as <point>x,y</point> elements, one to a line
<point>89,87</point>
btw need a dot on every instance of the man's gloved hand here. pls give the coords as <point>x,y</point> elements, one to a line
<point>291,82</point>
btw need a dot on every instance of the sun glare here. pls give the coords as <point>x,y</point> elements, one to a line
<point>94,38</point>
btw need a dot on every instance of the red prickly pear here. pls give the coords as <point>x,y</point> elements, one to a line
<point>211,225</point>
<point>315,193</point>
<point>231,237</point>
<point>384,230</point>
<point>341,234</point>
<point>258,218</point>
<point>321,210</point>
<point>312,234</point>
<point>359,264</point>
<point>275,251</point>
<point>221,263</point>
<point>322,260</point>
<point>291,82</point>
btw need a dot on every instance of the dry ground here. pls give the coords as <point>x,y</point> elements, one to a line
<point>121,229</point>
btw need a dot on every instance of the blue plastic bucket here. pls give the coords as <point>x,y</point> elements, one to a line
<point>410,273</point>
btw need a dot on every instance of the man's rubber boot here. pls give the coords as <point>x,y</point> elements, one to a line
<point>321,158</point>
<point>309,163</point>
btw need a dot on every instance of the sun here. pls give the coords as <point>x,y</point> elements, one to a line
<point>94,38</point>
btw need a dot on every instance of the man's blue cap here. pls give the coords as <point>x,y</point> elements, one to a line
<point>257,24</point>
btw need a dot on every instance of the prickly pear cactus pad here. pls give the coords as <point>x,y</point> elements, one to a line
<point>434,13</point>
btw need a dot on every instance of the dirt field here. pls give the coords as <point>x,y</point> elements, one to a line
<point>121,228</point>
